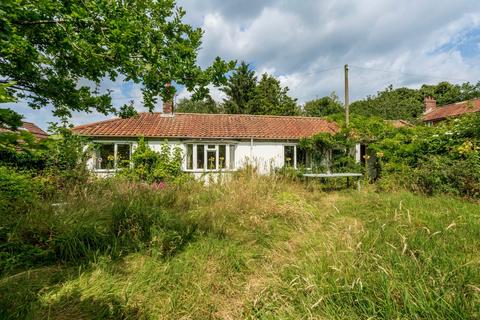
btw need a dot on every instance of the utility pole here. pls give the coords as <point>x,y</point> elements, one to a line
<point>347,117</point>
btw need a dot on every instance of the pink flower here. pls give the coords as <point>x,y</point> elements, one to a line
<point>158,185</point>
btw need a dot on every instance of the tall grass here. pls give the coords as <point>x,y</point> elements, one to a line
<point>253,247</point>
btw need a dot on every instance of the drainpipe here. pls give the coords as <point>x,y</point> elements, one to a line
<point>251,148</point>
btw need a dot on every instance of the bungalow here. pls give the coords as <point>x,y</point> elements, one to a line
<point>209,142</point>
<point>434,114</point>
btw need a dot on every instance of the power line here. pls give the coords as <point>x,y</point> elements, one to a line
<point>324,70</point>
<point>409,74</point>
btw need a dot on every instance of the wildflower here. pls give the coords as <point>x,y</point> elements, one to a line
<point>466,147</point>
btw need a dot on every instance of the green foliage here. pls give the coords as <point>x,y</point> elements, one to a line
<point>127,111</point>
<point>246,95</point>
<point>48,46</point>
<point>331,152</point>
<point>151,166</point>
<point>9,119</point>
<point>5,94</point>
<point>444,175</point>
<point>322,107</point>
<point>439,159</point>
<point>20,149</point>
<point>405,103</point>
<point>207,105</point>
<point>57,161</point>
<point>270,98</point>
<point>17,189</point>
<point>240,89</point>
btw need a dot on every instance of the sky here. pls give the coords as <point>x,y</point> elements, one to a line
<point>306,44</point>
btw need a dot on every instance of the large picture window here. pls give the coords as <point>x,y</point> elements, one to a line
<point>210,157</point>
<point>112,156</point>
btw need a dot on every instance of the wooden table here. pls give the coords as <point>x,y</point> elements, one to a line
<point>336,175</point>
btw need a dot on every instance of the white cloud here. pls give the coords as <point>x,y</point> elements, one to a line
<point>403,43</point>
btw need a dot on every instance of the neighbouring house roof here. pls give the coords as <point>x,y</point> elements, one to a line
<point>191,125</point>
<point>32,128</point>
<point>399,123</point>
<point>452,110</point>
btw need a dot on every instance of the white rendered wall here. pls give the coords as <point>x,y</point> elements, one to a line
<point>265,156</point>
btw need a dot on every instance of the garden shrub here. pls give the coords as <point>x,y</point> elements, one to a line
<point>440,158</point>
<point>17,189</point>
<point>151,166</point>
<point>441,174</point>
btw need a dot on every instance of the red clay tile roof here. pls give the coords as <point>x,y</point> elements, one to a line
<point>452,110</point>
<point>191,125</point>
<point>32,128</point>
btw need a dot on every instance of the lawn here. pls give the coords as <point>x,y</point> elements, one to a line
<point>254,248</point>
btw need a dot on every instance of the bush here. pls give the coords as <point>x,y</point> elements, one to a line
<point>151,166</point>
<point>441,174</point>
<point>17,189</point>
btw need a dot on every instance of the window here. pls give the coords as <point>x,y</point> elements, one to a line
<point>231,154</point>
<point>301,158</point>
<point>289,154</point>
<point>294,156</point>
<point>189,156</point>
<point>222,156</point>
<point>210,157</point>
<point>200,156</point>
<point>123,155</point>
<point>113,155</point>
<point>106,156</point>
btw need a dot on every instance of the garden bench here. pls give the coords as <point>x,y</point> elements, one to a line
<point>336,175</point>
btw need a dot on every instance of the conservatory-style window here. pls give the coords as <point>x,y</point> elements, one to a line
<point>112,156</point>
<point>294,156</point>
<point>210,157</point>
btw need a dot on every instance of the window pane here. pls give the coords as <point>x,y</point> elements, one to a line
<point>301,158</point>
<point>200,157</point>
<point>211,146</point>
<point>123,155</point>
<point>105,156</point>
<point>189,156</point>
<point>232,156</point>
<point>289,154</point>
<point>222,154</point>
<point>211,158</point>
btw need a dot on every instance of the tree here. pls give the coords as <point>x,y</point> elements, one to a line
<point>270,98</point>
<point>58,52</point>
<point>207,105</point>
<point>9,119</point>
<point>446,93</point>
<point>240,89</point>
<point>405,103</point>
<point>323,106</point>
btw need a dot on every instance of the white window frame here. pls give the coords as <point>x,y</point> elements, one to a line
<point>115,158</point>
<point>206,149</point>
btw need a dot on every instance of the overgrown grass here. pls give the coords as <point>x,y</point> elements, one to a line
<point>255,247</point>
